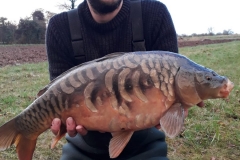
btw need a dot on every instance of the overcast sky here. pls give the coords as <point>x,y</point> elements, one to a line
<point>189,16</point>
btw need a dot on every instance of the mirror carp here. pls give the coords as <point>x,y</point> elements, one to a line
<point>119,93</point>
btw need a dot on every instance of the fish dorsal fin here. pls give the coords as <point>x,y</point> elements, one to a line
<point>173,120</point>
<point>108,56</point>
<point>42,91</point>
<point>119,142</point>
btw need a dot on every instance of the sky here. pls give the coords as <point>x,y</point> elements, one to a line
<point>189,16</point>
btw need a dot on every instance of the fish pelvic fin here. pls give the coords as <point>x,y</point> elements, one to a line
<point>119,142</point>
<point>173,120</point>
<point>9,136</point>
<point>25,147</point>
<point>60,134</point>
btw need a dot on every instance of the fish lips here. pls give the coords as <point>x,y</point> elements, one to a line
<point>226,89</point>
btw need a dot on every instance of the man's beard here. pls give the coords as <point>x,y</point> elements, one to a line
<point>102,7</point>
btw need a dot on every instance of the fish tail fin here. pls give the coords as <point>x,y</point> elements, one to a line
<point>9,136</point>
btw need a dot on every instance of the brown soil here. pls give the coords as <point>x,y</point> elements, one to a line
<point>18,54</point>
<point>184,43</point>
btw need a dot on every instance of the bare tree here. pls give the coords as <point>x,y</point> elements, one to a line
<point>49,15</point>
<point>210,31</point>
<point>66,6</point>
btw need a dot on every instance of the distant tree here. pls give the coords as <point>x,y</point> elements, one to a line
<point>183,35</point>
<point>7,30</point>
<point>66,6</point>
<point>38,14</point>
<point>2,20</point>
<point>227,32</point>
<point>10,33</point>
<point>29,31</point>
<point>210,31</point>
<point>39,17</point>
<point>194,34</point>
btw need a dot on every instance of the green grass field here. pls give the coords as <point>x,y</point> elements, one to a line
<point>215,37</point>
<point>210,132</point>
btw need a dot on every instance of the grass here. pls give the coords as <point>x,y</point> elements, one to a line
<point>215,37</point>
<point>210,132</point>
<point>19,86</point>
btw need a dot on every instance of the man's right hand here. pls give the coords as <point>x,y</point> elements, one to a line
<point>72,128</point>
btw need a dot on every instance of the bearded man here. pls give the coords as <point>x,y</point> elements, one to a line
<point>106,28</point>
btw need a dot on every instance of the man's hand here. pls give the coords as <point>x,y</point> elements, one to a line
<point>72,128</point>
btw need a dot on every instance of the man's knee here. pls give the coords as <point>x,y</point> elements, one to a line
<point>69,151</point>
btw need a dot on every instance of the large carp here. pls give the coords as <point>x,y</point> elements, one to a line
<point>119,93</point>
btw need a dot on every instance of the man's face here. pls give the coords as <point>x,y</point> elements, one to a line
<point>104,6</point>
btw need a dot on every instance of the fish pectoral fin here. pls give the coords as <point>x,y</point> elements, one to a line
<point>119,142</point>
<point>173,120</point>
<point>60,134</point>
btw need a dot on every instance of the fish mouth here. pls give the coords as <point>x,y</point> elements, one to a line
<point>226,89</point>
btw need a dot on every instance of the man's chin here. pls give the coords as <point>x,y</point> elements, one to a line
<point>103,8</point>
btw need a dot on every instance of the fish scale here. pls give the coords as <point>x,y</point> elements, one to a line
<point>87,93</point>
<point>121,84</point>
<point>54,102</point>
<point>128,63</point>
<point>136,88</point>
<point>119,93</point>
<point>144,66</point>
<point>100,68</point>
<point>80,77</point>
<point>74,81</point>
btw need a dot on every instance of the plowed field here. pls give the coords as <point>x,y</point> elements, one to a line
<point>18,54</point>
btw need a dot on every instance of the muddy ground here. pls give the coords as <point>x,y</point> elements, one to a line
<point>18,54</point>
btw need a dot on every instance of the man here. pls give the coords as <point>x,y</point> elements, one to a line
<point>106,28</point>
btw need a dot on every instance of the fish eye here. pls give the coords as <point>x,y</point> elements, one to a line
<point>208,78</point>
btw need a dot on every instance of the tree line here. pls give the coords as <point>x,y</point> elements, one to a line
<point>209,33</point>
<point>30,30</point>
